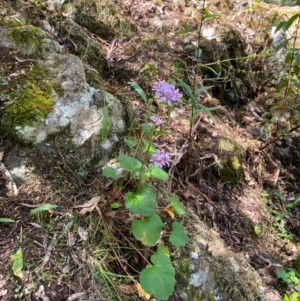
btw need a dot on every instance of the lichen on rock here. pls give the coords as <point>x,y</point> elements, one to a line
<point>231,168</point>
<point>32,99</point>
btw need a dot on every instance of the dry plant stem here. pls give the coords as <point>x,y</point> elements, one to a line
<point>176,160</point>
<point>278,137</point>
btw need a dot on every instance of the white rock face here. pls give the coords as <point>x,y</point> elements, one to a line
<point>78,107</point>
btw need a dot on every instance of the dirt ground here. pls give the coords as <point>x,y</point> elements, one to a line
<point>93,256</point>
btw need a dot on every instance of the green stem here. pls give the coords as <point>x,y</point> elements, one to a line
<point>151,139</point>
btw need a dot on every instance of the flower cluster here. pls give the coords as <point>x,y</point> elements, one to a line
<point>161,158</point>
<point>166,92</point>
<point>156,120</point>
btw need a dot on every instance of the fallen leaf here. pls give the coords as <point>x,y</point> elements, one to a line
<point>89,206</point>
<point>114,193</point>
<point>170,211</point>
<point>127,289</point>
<point>84,235</point>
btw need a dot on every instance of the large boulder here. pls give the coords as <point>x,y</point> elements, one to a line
<point>46,93</point>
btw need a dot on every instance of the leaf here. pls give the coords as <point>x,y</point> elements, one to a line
<point>110,172</point>
<point>147,230</point>
<point>170,210</point>
<point>114,193</point>
<point>202,89</point>
<point>178,207</point>
<point>178,237</point>
<point>142,293</point>
<point>286,298</point>
<point>114,205</point>
<point>147,127</point>
<point>207,110</point>
<point>257,229</point>
<point>45,207</point>
<point>127,289</point>
<point>17,263</point>
<point>295,203</point>
<point>189,91</point>
<point>128,163</point>
<point>159,279</point>
<point>286,24</point>
<point>158,173</point>
<point>207,14</point>
<point>185,31</point>
<point>6,220</point>
<point>89,206</point>
<point>130,142</point>
<point>139,90</point>
<point>143,202</point>
<point>283,275</point>
<point>105,123</point>
<point>151,149</point>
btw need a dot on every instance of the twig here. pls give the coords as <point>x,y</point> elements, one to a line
<point>177,159</point>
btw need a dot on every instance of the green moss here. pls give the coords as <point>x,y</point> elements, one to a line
<point>232,170</point>
<point>231,161</point>
<point>24,35</point>
<point>31,102</point>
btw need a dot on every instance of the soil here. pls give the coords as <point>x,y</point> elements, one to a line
<point>246,208</point>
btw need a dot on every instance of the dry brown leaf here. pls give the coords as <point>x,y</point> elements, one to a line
<point>170,211</point>
<point>127,289</point>
<point>89,206</point>
<point>114,193</point>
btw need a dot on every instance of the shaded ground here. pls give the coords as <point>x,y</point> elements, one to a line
<point>70,253</point>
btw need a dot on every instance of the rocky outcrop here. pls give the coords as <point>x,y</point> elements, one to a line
<point>50,94</point>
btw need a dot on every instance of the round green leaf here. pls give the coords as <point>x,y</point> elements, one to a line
<point>158,173</point>
<point>128,163</point>
<point>130,142</point>
<point>147,230</point>
<point>178,236</point>
<point>159,279</point>
<point>143,202</point>
<point>148,128</point>
<point>110,172</point>
<point>149,147</point>
<point>178,207</point>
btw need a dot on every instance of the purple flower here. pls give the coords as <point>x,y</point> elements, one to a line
<point>166,92</point>
<point>161,158</point>
<point>156,120</point>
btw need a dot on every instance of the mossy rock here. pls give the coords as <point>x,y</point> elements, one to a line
<point>29,39</point>
<point>231,164</point>
<point>31,99</point>
<point>89,50</point>
<point>103,18</point>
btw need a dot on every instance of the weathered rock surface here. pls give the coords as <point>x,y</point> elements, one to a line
<point>77,107</point>
<point>210,271</point>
